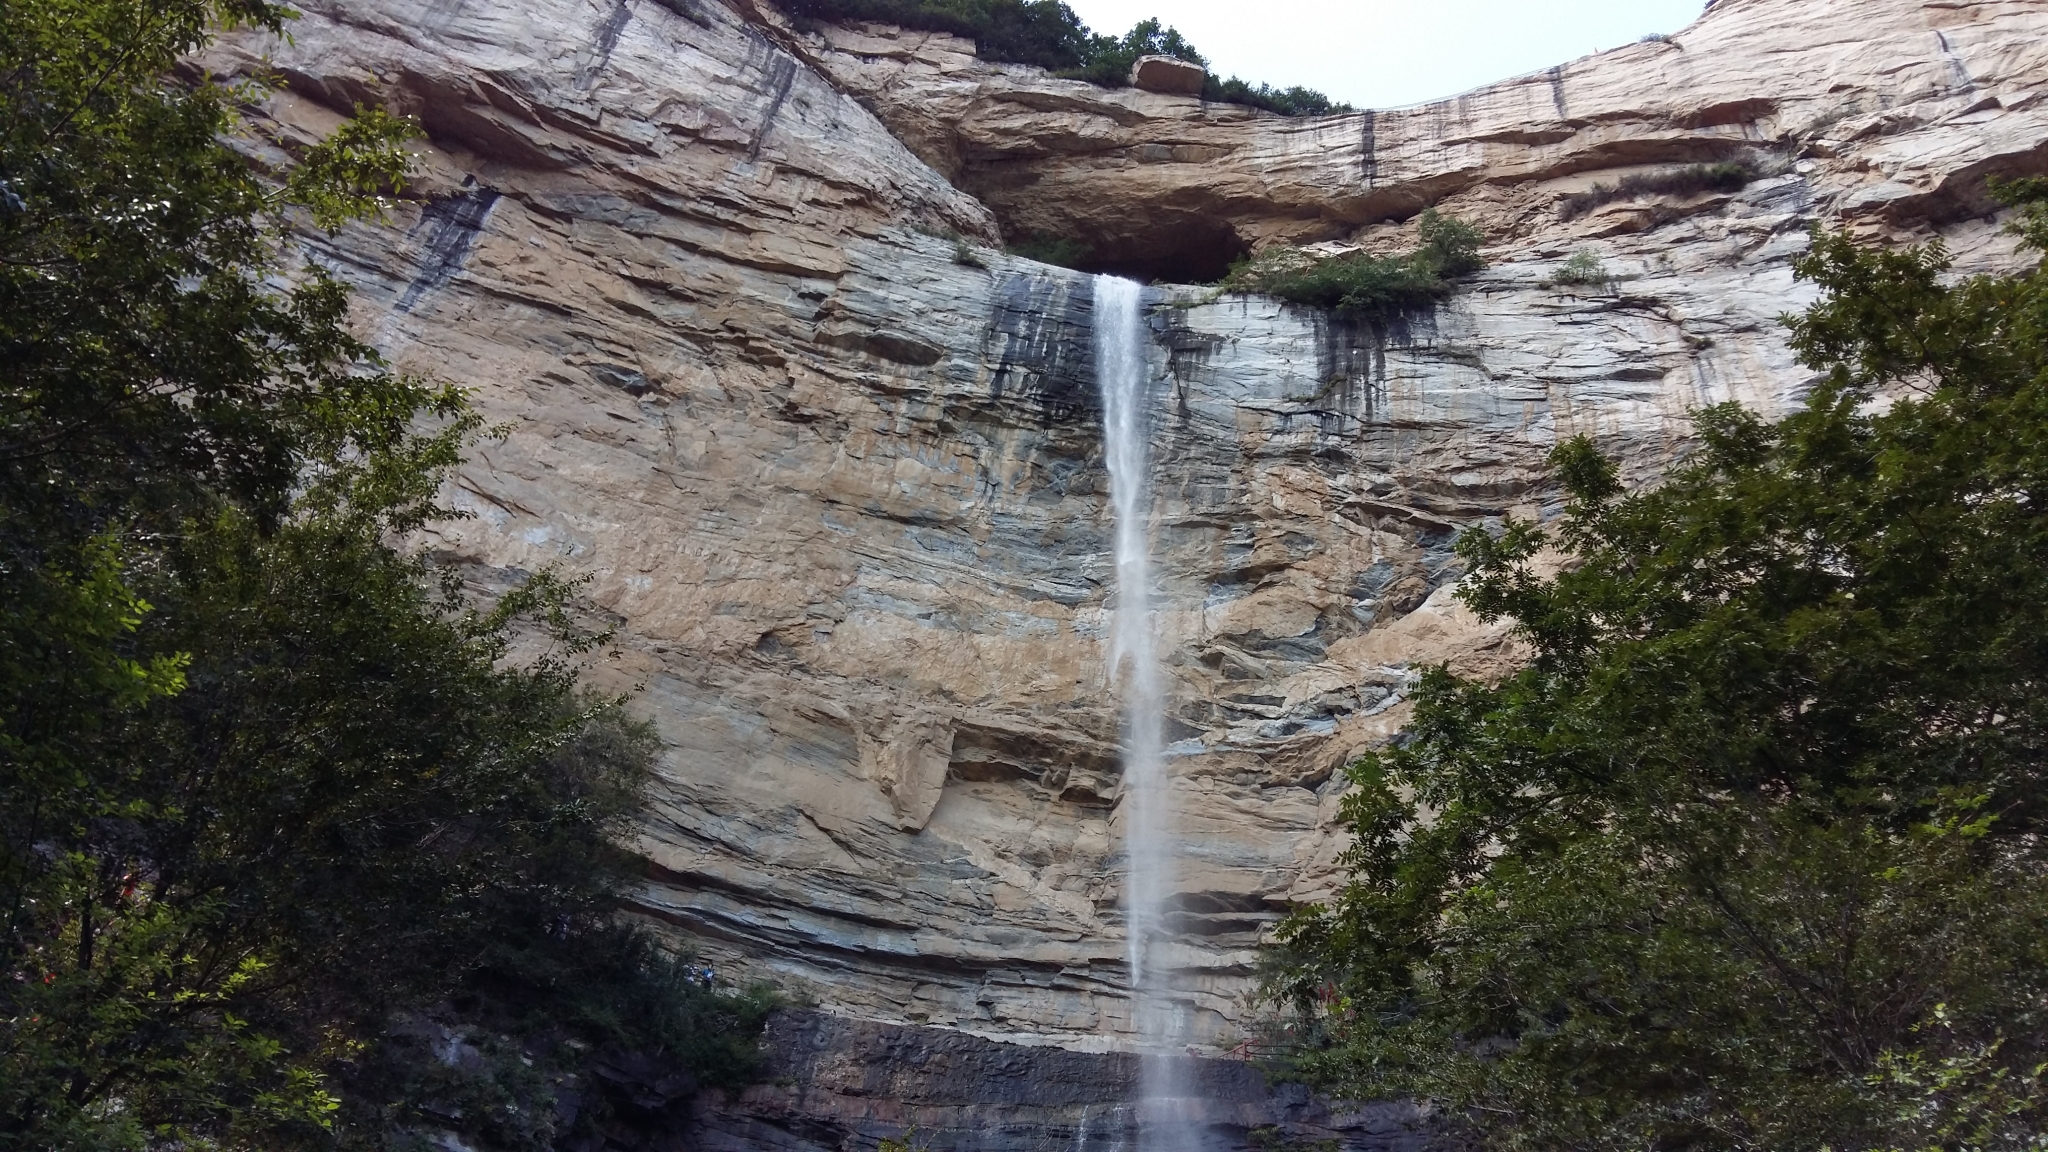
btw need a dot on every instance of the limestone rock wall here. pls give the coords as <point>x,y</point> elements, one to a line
<point>832,462</point>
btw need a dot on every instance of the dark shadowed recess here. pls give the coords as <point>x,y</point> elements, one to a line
<point>835,1083</point>
<point>1190,253</point>
<point>1169,250</point>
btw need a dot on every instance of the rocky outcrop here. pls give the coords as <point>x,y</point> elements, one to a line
<point>1895,111</point>
<point>832,463</point>
<point>1168,74</point>
<point>836,1083</point>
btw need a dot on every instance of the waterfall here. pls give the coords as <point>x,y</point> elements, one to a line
<point>1122,377</point>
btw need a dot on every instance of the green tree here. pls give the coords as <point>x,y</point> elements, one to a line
<point>1108,60</point>
<point>1751,855</point>
<point>267,783</point>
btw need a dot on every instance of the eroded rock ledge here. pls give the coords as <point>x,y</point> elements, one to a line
<point>1894,110</point>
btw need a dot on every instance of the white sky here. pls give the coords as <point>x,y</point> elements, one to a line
<point>1389,53</point>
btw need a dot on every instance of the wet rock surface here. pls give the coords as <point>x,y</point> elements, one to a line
<point>839,1084</point>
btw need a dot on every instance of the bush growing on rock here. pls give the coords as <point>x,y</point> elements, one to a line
<point>1362,283</point>
<point>1064,251</point>
<point>1293,101</point>
<point>1752,855</point>
<point>1584,268</point>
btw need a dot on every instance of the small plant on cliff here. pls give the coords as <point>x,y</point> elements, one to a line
<point>1365,284</point>
<point>1583,269</point>
<point>1754,853</point>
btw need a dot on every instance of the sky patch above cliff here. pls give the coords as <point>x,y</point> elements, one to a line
<point>1391,53</point>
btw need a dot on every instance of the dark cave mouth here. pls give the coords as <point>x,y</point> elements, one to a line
<point>1183,252</point>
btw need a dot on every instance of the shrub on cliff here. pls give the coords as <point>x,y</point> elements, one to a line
<point>1043,33</point>
<point>1294,101</point>
<point>1752,855</point>
<point>267,782</point>
<point>1363,284</point>
<point>1047,34</point>
<point>1584,269</point>
<point>1107,60</point>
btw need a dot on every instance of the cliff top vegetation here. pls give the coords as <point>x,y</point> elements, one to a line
<point>1048,34</point>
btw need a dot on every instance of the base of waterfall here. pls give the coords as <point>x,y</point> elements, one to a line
<point>833,1082</point>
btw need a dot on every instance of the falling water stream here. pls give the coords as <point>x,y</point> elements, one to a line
<point>1122,377</point>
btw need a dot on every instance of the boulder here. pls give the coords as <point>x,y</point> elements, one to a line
<point>1167,74</point>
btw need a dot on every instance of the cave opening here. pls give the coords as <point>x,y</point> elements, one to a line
<point>1180,251</point>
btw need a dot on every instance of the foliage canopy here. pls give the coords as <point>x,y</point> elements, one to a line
<point>1751,855</point>
<point>267,783</point>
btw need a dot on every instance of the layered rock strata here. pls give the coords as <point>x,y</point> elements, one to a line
<point>832,463</point>
<point>1895,112</point>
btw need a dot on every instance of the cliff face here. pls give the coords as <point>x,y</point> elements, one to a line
<point>1896,110</point>
<point>837,475</point>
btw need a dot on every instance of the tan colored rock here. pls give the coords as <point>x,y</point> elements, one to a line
<point>837,475</point>
<point>1168,74</point>
<point>909,765</point>
<point>1900,109</point>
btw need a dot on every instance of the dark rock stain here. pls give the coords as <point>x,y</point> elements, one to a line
<point>1369,165</point>
<point>687,10</point>
<point>781,75</point>
<point>1039,337</point>
<point>608,34</point>
<point>1959,75</point>
<point>452,225</point>
<point>1187,354</point>
<point>1557,90</point>
<point>1351,362</point>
